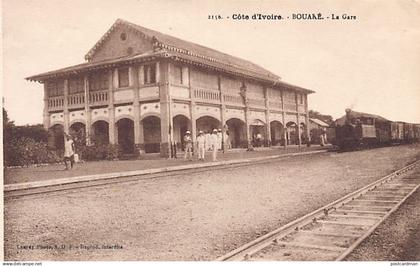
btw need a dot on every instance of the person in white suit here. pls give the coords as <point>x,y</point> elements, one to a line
<point>214,144</point>
<point>201,145</point>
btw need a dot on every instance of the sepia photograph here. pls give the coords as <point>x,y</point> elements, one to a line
<point>244,130</point>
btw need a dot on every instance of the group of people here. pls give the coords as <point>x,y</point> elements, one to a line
<point>205,142</point>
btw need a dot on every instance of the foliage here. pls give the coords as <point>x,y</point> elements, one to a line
<point>326,118</point>
<point>26,145</point>
<point>100,152</point>
<point>26,151</point>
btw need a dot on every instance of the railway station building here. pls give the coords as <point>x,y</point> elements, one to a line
<point>142,89</point>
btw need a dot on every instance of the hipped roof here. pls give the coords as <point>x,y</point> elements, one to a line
<point>176,49</point>
<point>319,122</point>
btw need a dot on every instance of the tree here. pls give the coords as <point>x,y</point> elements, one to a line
<point>325,118</point>
<point>25,145</point>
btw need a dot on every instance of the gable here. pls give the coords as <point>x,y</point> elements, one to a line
<point>122,41</point>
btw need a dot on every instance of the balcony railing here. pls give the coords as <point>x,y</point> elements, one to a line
<point>233,99</point>
<point>207,95</point>
<point>98,97</point>
<point>56,102</point>
<point>76,99</point>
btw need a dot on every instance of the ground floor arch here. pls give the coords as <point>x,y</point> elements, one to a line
<point>277,133</point>
<point>292,133</point>
<point>100,133</point>
<point>125,129</point>
<point>207,124</point>
<point>56,137</point>
<point>181,124</point>
<point>151,134</point>
<point>78,132</point>
<point>236,133</point>
<point>258,132</point>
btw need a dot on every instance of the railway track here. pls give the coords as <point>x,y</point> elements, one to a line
<point>333,231</point>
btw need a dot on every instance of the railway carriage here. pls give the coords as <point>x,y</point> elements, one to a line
<point>361,130</point>
<point>397,132</point>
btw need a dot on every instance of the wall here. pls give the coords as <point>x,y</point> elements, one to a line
<point>114,47</point>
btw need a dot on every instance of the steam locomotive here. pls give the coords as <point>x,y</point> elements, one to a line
<point>358,130</point>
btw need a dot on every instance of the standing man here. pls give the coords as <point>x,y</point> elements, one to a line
<point>201,145</point>
<point>188,145</point>
<point>68,151</point>
<point>214,143</point>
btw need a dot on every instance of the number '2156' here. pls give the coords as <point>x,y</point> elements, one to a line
<point>214,17</point>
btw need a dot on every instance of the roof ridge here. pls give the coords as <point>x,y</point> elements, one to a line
<point>158,37</point>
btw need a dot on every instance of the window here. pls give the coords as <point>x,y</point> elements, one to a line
<point>177,75</point>
<point>149,74</point>
<point>123,36</point>
<point>123,78</point>
<point>300,98</point>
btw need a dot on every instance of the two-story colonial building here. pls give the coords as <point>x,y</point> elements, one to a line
<point>143,89</point>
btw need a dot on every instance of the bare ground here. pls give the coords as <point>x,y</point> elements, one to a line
<point>193,217</point>
<point>32,173</point>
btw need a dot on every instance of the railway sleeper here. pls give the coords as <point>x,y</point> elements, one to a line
<point>375,202</point>
<point>289,253</point>
<point>365,208</point>
<point>360,213</point>
<point>329,241</point>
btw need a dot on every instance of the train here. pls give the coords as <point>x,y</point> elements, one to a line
<point>357,130</point>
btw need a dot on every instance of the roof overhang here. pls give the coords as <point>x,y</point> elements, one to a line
<point>93,66</point>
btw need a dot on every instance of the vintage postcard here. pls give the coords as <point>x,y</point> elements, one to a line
<point>211,130</point>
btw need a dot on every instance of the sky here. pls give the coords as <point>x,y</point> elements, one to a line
<point>370,64</point>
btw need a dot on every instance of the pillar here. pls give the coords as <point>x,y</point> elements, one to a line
<point>66,107</point>
<point>192,110</point>
<point>222,113</point>
<point>308,133</point>
<point>247,114</point>
<point>45,113</point>
<point>87,110</point>
<point>247,124</point>
<point>133,76</point>
<point>267,116</point>
<point>166,127</point>
<point>284,120</point>
<point>298,119</point>
<point>112,83</point>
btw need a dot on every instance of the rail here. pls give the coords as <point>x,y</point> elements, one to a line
<point>365,208</point>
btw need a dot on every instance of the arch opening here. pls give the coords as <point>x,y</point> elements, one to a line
<point>125,128</point>
<point>100,133</point>
<point>236,133</point>
<point>258,133</point>
<point>151,134</point>
<point>56,137</point>
<point>292,133</point>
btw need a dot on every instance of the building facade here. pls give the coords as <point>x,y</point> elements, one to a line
<point>142,90</point>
